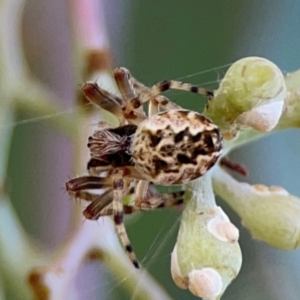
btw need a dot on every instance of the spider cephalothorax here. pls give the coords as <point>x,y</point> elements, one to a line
<point>169,147</point>
<point>113,145</point>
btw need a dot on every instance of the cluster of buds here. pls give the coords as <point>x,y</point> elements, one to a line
<point>207,256</point>
<point>252,100</point>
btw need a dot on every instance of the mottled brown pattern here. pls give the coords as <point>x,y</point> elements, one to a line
<point>165,155</point>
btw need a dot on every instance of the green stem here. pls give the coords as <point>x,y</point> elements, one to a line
<point>199,194</point>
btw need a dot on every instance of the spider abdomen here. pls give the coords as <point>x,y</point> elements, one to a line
<point>175,146</point>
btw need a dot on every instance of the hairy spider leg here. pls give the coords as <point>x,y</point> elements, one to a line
<point>161,87</point>
<point>157,202</point>
<point>104,99</point>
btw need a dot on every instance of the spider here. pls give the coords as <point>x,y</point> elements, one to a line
<point>170,146</point>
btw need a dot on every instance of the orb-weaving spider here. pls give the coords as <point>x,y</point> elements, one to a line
<point>166,148</point>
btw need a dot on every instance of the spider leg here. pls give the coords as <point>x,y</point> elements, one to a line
<point>155,102</point>
<point>132,91</point>
<point>101,204</point>
<point>139,87</point>
<point>88,196</point>
<point>144,190</point>
<point>87,183</point>
<point>98,203</point>
<point>147,198</point>
<point>160,101</point>
<point>76,188</point>
<point>127,210</point>
<point>164,86</point>
<point>96,166</point>
<point>156,202</point>
<point>118,214</point>
<point>94,93</point>
<point>130,172</point>
<point>110,203</point>
<point>124,83</point>
<point>163,200</point>
<point>122,78</point>
<point>173,85</point>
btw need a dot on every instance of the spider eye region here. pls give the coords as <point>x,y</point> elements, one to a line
<point>112,145</point>
<point>176,146</point>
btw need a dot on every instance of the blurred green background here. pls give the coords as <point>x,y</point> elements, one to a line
<point>159,40</point>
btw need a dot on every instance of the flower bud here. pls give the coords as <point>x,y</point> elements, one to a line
<point>270,213</point>
<point>251,95</point>
<point>207,256</point>
<point>290,117</point>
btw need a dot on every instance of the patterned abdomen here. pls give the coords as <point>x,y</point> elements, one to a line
<point>175,146</point>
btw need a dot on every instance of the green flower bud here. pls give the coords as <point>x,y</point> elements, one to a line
<point>251,95</point>
<point>207,256</point>
<point>270,213</point>
<point>291,113</point>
